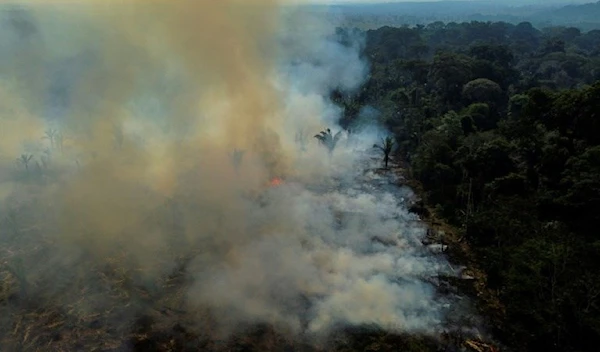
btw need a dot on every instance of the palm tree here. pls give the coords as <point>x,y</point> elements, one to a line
<point>50,134</point>
<point>387,145</point>
<point>55,138</point>
<point>25,159</point>
<point>329,140</point>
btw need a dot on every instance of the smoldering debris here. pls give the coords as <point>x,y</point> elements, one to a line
<point>124,193</point>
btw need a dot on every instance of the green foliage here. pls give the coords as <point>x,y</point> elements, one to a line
<point>448,73</point>
<point>500,123</point>
<point>479,117</point>
<point>482,90</point>
<point>516,104</point>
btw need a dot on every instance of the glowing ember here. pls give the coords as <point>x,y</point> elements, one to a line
<point>276,182</point>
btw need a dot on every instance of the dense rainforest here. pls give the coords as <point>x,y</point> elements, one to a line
<point>500,124</point>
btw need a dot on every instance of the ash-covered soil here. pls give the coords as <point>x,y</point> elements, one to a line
<point>85,302</point>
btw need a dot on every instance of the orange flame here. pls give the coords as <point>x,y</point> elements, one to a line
<point>276,181</point>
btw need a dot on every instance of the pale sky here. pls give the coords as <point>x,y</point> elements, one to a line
<point>371,1</point>
<point>496,1</point>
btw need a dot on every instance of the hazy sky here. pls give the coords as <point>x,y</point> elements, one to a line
<point>496,1</point>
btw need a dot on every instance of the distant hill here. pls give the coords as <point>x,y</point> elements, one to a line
<point>419,8</point>
<point>572,14</point>
<point>585,16</point>
<point>366,16</point>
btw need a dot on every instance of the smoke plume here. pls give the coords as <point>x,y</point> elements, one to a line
<point>138,144</point>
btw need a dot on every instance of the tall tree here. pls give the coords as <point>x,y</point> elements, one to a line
<point>50,134</point>
<point>386,147</point>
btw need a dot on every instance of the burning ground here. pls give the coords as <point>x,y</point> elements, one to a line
<point>159,183</point>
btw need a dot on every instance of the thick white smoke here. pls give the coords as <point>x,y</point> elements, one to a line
<point>145,143</point>
<point>324,264</point>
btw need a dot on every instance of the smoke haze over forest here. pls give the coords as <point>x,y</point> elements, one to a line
<point>145,140</point>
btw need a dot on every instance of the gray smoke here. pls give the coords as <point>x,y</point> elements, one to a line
<point>124,198</point>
